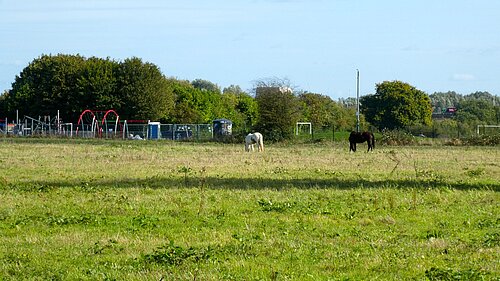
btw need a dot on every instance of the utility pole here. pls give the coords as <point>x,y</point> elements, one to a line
<point>357,101</point>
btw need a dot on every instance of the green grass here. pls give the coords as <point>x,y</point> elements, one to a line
<point>140,210</point>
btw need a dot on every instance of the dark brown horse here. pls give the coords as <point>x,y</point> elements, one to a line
<point>358,137</point>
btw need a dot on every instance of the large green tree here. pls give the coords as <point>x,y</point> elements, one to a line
<point>143,91</point>
<point>194,105</point>
<point>323,112</point>
<point>94,87</point>
<point>397,105</point>
<point>475,111</point>
<point>317,109</point>
<point>46,85</point>
<point>202,102</point>
<point>239,107</point>
<point>279,109</point>
<point>72,83</point>
<point>245,113</point>
<point>205,85</point>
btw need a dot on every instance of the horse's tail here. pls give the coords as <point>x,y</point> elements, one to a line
<point>373,140</point>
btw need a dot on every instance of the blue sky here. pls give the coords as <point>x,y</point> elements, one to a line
<point>317,44</point>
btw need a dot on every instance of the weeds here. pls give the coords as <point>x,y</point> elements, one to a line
<point>111,245</point>
<point>270,206</point>
<point>396,137</point>
<point>484,140</point>
<point>174,255</point>
<point>185,170</point>
<point>474,173</point>
<point>394,158</point>
<point>491,240</point>
<point>203,181</point>
<point>144,221</point>
<point>435,274</point>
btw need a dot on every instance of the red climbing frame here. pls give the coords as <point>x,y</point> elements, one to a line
<point>97,127</point>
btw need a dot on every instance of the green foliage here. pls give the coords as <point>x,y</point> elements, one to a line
<point>72,83</point>
<point>45,84</point>
<point>491,240</point>
<point>84,219</point>
<point>186,109</point>
<point>396,105</point>
<point>396,137</point>
<point>144,92</point>
<point>477,110</point>
<point>110,246</point>
<point>324,113</point>
<point>243,109</point>
<point>198,102</point>
<point>445,128</point>
<point>205,85</point>
<point>317,109</point>
<point>491,140</point>
<point>240,108</point>
<point>144,221</point>
<point>173,255</point>
<point>279,110</point>
<point>247,108</point>
<point>475,172</point>
<point>270,206</point>
<point>441,101</point>
<point>233,89</point>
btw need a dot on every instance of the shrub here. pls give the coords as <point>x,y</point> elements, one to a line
<point>397,137</point>
<point>483,140</point>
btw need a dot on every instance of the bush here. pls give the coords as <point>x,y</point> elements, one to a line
<point>482,140</point>
<point>397,137</point>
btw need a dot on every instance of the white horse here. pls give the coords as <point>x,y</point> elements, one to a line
<point>255,138</point>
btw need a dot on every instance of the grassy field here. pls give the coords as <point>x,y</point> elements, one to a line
<point>140,210</point>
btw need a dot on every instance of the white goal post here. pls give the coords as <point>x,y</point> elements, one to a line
<point>486,126</point>
<point>303,124</point>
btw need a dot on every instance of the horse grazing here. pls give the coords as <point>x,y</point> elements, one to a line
<point>358,137</point>
<point>255,138</point>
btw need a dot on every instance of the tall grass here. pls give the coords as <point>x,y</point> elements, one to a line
<point>139,210</point>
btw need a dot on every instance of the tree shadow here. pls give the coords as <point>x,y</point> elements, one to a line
<point>232,183</point>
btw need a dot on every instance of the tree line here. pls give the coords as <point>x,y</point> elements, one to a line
<point>474,107</point>
<point>138,90</point>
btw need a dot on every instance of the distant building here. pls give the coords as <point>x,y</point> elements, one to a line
<point>451,110</point>
<point>447,113</point>
<point>273,90</point>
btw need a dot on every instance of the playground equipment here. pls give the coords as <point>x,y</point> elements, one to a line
<point>98,123</point>
<point>104,124</point>
<point>43,126</point>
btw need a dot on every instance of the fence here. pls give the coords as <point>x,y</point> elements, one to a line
<point>197,132</point>
<point>311,133</point>
<point>441,130</point>
<point>52,126</point>
<point>47,126</point>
